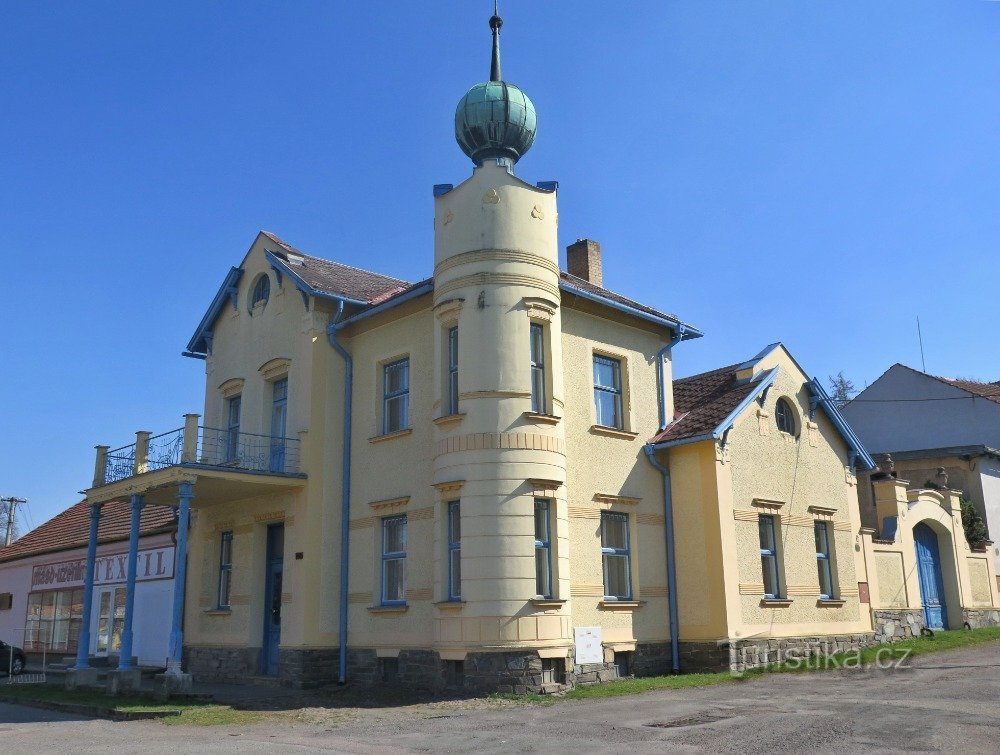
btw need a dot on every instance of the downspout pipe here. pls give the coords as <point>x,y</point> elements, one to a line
<point>668,516</point>
<point>661,371</point>
<point>345,487</point>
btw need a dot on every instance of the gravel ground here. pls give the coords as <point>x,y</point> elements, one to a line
<point>945,702</point>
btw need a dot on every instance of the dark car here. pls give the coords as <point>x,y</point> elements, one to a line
<point>12,659</point>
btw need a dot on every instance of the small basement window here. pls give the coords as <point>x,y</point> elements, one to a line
<point>6,601</point>
<point>623,663</point>
<point>552,670</point>
<point>389,670</point>
<point>454,673</point>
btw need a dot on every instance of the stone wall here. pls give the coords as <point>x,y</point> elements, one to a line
<point>742,655</point>
<point>981,617</point>
<point>892,624</point>
<point>221,664</point>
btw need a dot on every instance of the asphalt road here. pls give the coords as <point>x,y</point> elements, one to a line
<point>945,702</point>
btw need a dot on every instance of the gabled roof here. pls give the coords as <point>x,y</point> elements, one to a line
<point>315,276</point>
<point>71,528</point>
<point>705,405</point>
<point>989,391</point>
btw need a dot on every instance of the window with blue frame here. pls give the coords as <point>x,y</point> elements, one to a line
<point>261,291</point>
<point>279,421</point>
<point>225,568</point>
<point>396,396</point>
<point>453,370</point>
<point>454,550</point>
<point>608,392</point>
<point>538,402</point>
<point>394,560</point>
<point>543,548</point>
<point>616,555</point>
<point>232,442</point>
<point>823,560</point>
<point>769,556</point>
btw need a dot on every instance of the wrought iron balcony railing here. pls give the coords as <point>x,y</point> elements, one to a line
<point>196,445</point>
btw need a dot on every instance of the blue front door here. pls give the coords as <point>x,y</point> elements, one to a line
<point>929,571</point>
<point>272,599</point>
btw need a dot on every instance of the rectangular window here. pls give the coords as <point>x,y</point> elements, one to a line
<point>769,556</point>
<point>396,396</point>
<point>53,620</point>
<point>538,403</point>
<point>279,420</point>
<point>233,407</point>
<point>6,601</point>
<point>453,370</point>
<point>822,530</point>
<point>454,550</point>
<point>543,548</point>
<point>616,555</point>
<point>608,392</point>
<point>394,560</point>
<point>225,567</point>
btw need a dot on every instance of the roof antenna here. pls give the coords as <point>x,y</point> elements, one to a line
<point>495,23</point>
<point>920,338</point>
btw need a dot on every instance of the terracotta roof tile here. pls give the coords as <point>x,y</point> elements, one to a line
<point>702,401</point>
<point>71,528</point>
<point>584,285</point>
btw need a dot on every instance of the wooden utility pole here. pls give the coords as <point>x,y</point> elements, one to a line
<point>11,502</point>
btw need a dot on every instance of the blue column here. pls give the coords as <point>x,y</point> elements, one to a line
<point>184,496</point>
<point>125,659</point>
<point>83,646</point>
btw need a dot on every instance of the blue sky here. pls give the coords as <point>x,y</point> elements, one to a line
<point>815,173</point>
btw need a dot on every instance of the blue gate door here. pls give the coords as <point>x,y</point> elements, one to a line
<point>929,571</point>
<point>272,600</point>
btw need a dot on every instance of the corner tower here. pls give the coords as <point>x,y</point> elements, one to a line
<point>500,447</point>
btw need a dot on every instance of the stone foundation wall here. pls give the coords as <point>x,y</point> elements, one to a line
<point>893,624</point>
<point>221,664</point>
<point>742,655</point>
<point>981,617</point>
<point>308,668</point>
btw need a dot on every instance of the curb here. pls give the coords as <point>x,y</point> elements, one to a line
<point>91,710</point>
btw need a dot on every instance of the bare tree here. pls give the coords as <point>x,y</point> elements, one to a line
<point>842,389</point>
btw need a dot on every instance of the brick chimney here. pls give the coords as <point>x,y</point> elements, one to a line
<point>583,259</point>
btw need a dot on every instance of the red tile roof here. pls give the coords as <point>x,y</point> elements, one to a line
<point>703,401</point>
<point>71,528</point>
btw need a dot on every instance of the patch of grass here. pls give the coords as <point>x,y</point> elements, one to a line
<point>190,712</point>
<point>884,654</point>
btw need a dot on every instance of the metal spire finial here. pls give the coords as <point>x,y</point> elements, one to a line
<point>495,23</point>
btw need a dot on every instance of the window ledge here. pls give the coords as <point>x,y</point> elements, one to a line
<point>830,602</point>
<point>218,611</point>
<point>613,432</point>
<point>388,609</point>
<point>390,436</point>
<point>450,605</point>
<point>542,419</point>
<point>621,605</point>
<point>775,602</point>
<point>449,419</point>
<point>547,602</point>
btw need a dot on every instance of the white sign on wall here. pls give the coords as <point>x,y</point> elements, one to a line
<point>155,563</point>
<point>588,645</point>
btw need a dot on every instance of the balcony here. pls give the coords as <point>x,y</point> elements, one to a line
<point>195,452</point>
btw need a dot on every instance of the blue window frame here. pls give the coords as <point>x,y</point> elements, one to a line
<point>225,568</point>
<point>233,407</point>
<point>453,370</point>
<point>769,556</point>
<point>454,550</point>
<point>538,402</point>
<point>543,548</point>
<point>394,560</point>
<point>616,555</point>
<point>784,416</point>
<point>823,560</point>
<point>396,396</point>
<point>261,291</point>
<point>608,392</point>
<point>279,420</point>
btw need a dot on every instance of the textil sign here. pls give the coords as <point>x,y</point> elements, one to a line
<point>154,563</point>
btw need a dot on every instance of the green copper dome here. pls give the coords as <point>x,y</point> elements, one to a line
<point>495,120</point>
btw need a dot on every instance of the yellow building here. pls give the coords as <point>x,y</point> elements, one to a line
<point>487,479</point>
